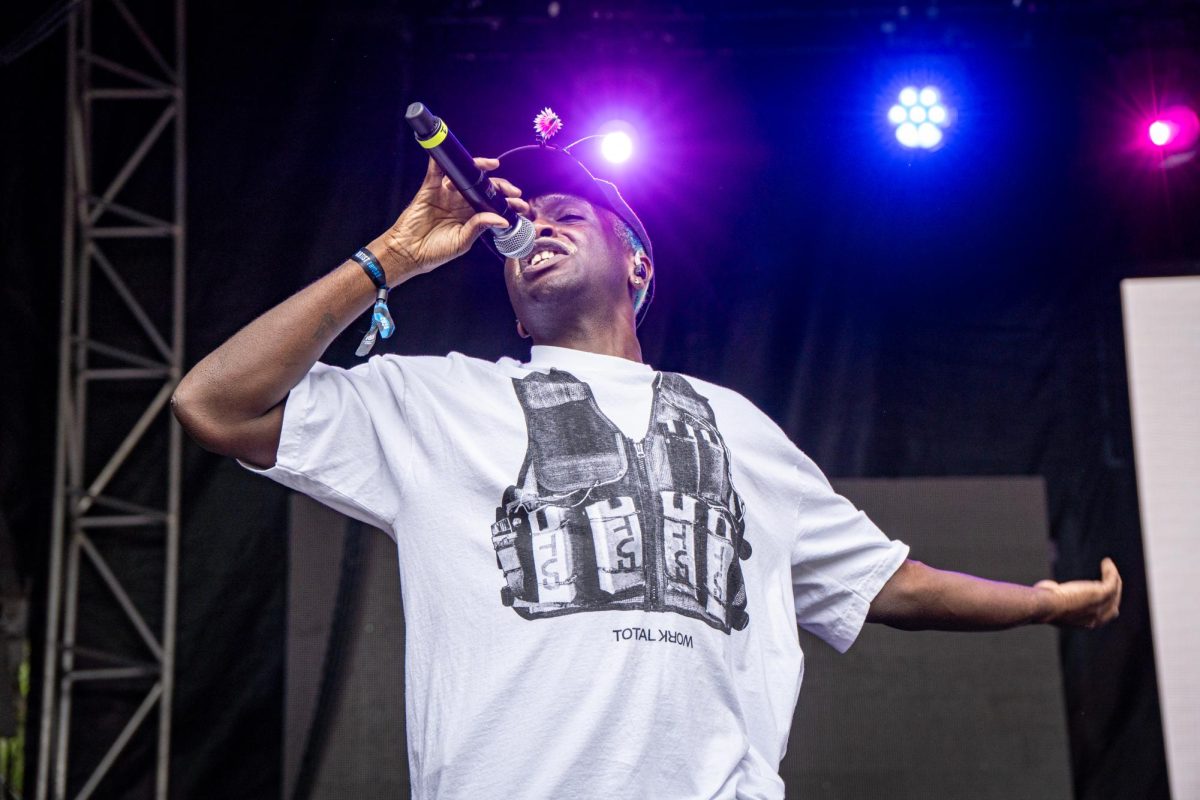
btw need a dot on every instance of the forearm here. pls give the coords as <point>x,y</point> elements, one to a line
<point>919,597</point>
<point>232,401</point>
<point>250,375</point>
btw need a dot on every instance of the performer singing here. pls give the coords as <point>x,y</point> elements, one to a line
<point>602,565</point>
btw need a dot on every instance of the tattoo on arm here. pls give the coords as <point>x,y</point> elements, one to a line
<point>327,324</point>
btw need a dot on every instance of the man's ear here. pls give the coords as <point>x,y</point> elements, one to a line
<point>643,270</point>
<point>524,334</point>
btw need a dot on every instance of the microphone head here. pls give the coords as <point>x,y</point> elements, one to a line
<point>517,241</point>
<point>421,120</point>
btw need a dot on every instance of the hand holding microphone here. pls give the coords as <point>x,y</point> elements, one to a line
<point>515,240</point>
<point>455,204</point>
<point>439,225</point>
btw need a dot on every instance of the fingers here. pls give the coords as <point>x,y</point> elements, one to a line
<point>506,187</point>
<point>481,222</point>
<point>520,206</point>
<point>434,174</point>
<point>1112,580</point>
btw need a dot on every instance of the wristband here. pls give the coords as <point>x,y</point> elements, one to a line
<point>381,317</point>
<point>381,324</point>
<point>370,264</point>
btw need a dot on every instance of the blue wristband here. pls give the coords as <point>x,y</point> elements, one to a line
<point>370,264</point>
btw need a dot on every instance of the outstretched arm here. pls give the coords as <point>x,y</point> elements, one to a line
<point>919,597</point>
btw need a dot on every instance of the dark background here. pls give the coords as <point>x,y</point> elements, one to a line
<point>899,314</point>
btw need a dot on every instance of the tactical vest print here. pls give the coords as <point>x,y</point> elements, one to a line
<point>597,521</point>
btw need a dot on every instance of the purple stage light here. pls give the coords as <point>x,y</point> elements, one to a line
<point>617,146</point>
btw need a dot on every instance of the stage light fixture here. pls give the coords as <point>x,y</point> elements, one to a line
<point>1171,136</point>
<point>1161,132</point>
<point>617,146</point>
<point>929,135</point>
<point>906,134</point>
<point>919,117</point>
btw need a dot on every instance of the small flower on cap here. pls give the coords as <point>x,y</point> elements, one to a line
<point>546,124</point>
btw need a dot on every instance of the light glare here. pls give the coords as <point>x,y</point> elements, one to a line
<point>906,134</point>
<point>928,135</point>
<point>919,117</point>
<point>1160,132</point>
<point>617,147</point>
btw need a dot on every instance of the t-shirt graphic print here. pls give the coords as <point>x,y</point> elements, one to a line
<point>597,521</point>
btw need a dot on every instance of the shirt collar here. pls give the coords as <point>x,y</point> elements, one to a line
<point>543,356</point>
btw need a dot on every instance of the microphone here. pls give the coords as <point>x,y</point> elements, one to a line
<point>432,134</point>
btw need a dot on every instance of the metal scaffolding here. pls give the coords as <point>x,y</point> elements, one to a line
<point>115,526</point>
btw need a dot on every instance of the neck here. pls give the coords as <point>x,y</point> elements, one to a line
<point>608,338</point>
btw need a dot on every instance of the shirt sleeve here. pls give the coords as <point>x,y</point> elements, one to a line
<point>840,560</point>
<point>344,439</point>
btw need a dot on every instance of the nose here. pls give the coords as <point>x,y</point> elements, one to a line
<point>543,228</point>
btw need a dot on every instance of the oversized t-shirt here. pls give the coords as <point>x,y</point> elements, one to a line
<point>601,566</point>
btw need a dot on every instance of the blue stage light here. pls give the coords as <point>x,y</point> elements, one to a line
<point>919,117</point>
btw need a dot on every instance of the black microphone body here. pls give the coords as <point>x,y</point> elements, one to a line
<point>435,137</point>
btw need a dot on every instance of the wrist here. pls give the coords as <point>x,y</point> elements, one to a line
<point>396,259</point>
<point>1046,604</point>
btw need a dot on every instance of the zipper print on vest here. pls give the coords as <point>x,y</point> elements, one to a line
<point>651,533</point>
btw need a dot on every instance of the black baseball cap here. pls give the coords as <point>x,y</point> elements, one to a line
<point>540,169</point>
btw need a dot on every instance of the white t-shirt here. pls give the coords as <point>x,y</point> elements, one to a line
<point>561,694</point>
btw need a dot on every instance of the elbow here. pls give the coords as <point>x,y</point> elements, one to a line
<point>254,440</point>
<point>195,419</point>
<point>900,603</point>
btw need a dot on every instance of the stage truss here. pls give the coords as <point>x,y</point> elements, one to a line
<point>115,526</point>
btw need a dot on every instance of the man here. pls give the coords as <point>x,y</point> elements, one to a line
<point>602,566</point>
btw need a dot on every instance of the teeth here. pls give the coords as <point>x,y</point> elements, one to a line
<point>540,256</point>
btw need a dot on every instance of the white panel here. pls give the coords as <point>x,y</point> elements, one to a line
<point>1162,344</point>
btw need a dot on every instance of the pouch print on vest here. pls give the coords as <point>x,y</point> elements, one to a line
<point>597,521</point>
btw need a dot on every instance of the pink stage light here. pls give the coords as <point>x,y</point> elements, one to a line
<point>1161,132</point>
<point>1175,128</point>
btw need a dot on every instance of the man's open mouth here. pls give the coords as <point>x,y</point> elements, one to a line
<point>546,252</point>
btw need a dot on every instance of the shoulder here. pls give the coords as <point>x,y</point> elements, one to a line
<point>749,432</point>
<point>453,365</point>
<point>727,402</point>
<point>394,375</point>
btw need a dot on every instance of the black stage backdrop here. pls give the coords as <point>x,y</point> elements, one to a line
<point>949,315</point>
